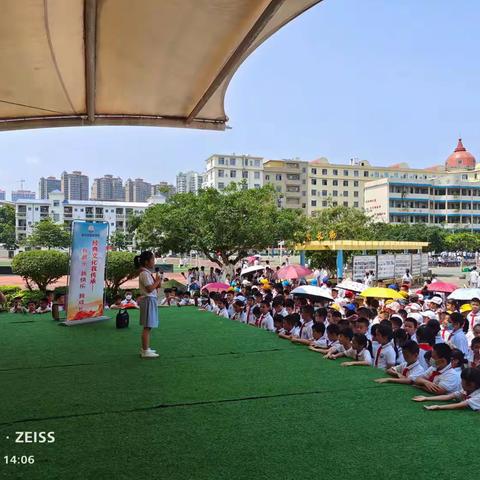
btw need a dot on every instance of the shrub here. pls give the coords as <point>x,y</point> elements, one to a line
<point>40,267</point>
<point>120,268</point>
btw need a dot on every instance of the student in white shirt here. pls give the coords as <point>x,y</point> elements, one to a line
<point>458,339</point>
<point>467,397</point>
<point>332,339</point>
<point>265,320</point>
<point>239,314</point>
<point>222,310</point>
<point>305,331</point>
<point>407,371</point>
<point>289,323</point>
<point>384,355</point>
<point>474,277</point>
<point>410,325</point>
<point>359,352</point>
<point>345,339</point>
<point>474,316</point>
<point>440,378</point>
<point>407,278</point>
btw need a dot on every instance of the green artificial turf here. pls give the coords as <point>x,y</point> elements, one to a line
<point>223,401</point>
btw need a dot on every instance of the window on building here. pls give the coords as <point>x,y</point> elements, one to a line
<point>345,204</point>
<point>335,183</point>
<point>335,193</point>
<point>221,161</point>
<point>365,174</point>
<point>267,177</point>
<point>355,204</point>
<point>355,183</point>
<point>345,193</point>
<point>345,173</point>
<point>278,177</point>
<point>324,182</point>
<point>314,181</point>
<point>345,183</point>
<point>56,203</point>
<point>335,172</point>
<point>324,203</point>
<point>334,204</point>
<point>324,193</point>
<point>324,171</point>
<point>245,174</point>
<point>257,185</point>
<point>233,161</point>
<point>257,163</point>
<point>314,203</point>
<point>256,175</point>
<point>221,185</point>
<point>221,173</point>
<point>314,171</point>
<point>313,193</point>
<point>233,173</point>
<point>355,194</point>
<point>355,173</point>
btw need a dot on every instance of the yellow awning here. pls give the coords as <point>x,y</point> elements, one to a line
<point>334,245</point>
<point>128,62</point>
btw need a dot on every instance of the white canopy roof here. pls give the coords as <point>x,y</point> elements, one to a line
<point>128,62</point>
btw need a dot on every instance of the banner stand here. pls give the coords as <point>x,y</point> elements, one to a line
<point>69,323</point>
<point>88,254</point>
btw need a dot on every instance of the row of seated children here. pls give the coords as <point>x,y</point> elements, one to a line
<point>44,305</point>
<point>409,353</point>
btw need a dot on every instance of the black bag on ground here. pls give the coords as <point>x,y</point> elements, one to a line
<point>123,319</point>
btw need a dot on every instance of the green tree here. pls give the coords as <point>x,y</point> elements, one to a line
<point>120,268</point>
<point>48,234</point>
<point>229,223</point>
<point>40,267</point>
<point>463,241</point>
<point>7,227</point>
<point>120,240</point>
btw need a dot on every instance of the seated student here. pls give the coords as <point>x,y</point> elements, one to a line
<point>289,323</point>
<point>332,339</point>
<point>397,322</point>
<point>407,371</point>
<point>384,355</point>
<point>17,306</point>
<point>459,361</point>
<point>204,304</point>
<point>334,316</point>
<point>410,325</point>
<point>278,323</point>
<point>186,300</point>
<point>31,307</point>
<point>318,337</point>
<point>129,302</point>
<point>289,306</point>
<point>400,336</point>
<point>249,310</point>
<point>305,331</point>
<point>440,378</point>
<point>117,303</point>
<point>222,310</point>
<point>43,306</point>
<point>320,315</point>
<point>49,295</point>
<point>467,397</point>
<point>474,356</point>
<point>458,339</point>
<point>359,352</point>
<point>425,340</point>
<point>362,327</point>
<point>265,320</point>
<point>345,343</point>
<point>278,307</point>
<point>239,314</point>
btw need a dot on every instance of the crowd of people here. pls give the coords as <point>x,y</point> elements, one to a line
<point>422,339</point>
<point>44,305</point>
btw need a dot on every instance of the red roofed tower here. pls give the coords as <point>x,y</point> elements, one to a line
<point>460,159</point>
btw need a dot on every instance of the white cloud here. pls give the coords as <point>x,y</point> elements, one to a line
<point>32,160</point>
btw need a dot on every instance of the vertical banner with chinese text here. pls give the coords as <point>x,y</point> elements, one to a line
<point>87,272</point>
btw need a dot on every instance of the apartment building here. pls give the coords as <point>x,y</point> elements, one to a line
<point>189,182</point>
<point>62,211</point>
<point>2,195</point>
<point>22,194</point>
<point>221,170</point>
<point>138,190</point>
<point>75,185</point>
<point>108,188</point>
<point>289,178</point>
<point>47,185</point>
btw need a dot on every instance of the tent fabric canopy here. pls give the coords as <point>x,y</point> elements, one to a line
<point>123,62</point>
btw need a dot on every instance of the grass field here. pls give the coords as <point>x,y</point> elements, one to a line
<point>223,401</point>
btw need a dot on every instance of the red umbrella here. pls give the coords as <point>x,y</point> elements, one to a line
<point>293,271</point>
<point>216,287</point>
<point>441,287</point>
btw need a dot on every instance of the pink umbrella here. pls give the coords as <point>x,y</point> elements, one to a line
<point>442,287</point>
<point>216,287</point>
<point>293,271</point>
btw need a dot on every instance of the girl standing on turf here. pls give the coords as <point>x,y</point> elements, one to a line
<point>148,284</point>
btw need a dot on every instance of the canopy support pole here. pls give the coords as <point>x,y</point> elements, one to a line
<point>339,265</point>
<point>90,57</point>
<point>302,258</point>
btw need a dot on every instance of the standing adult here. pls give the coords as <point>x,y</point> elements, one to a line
<point>148,283</point>
<point>407,278</point>
<point>474,277</point>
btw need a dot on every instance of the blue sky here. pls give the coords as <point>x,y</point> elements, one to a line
<point>382,80</point>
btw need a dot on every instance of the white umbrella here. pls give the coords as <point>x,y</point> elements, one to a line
<point>352,286</point>
<point>312,291</point>
<point>254,268</point>
<point>464,294</point>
